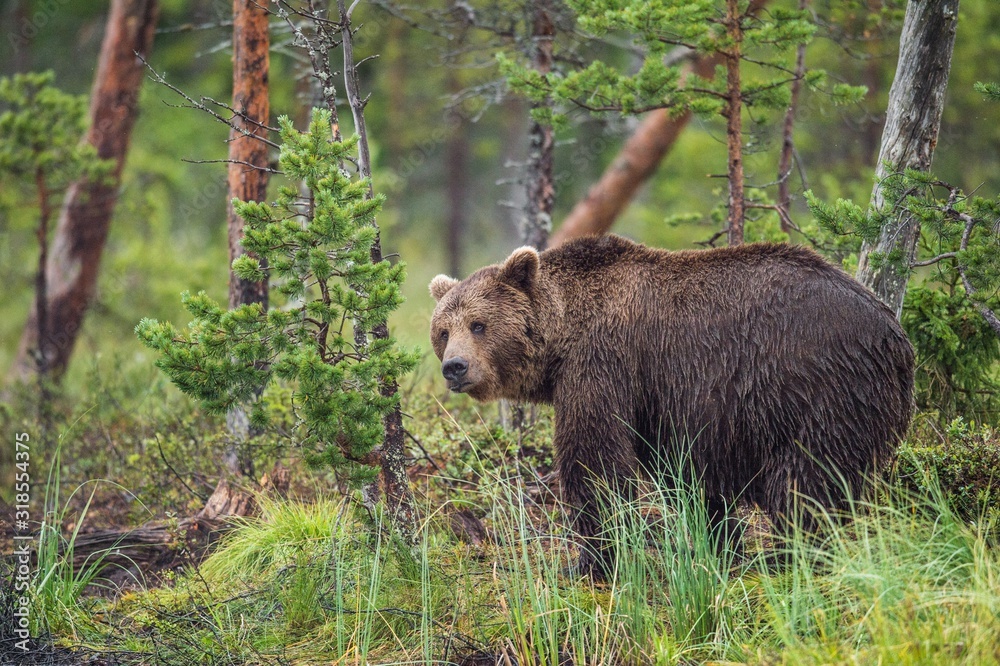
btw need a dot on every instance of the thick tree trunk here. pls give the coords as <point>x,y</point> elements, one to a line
<point>248,175</point>
<point>248,157</point>
<point>634,164</point>
<point>913,119</point>
<point>75,257</point>
<point>541,193</point>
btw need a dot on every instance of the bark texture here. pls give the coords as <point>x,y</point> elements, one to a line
<point>75,256</point>
<point>247,172</point>
<point>541,190</point>
<point>635,163</point>
<point>913,118</point>
<point>734,123</point>
<point>247,175</point>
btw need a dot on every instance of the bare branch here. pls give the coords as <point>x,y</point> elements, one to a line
<point>243,162</point>
<point>200,105</point>
<point>934,260</point>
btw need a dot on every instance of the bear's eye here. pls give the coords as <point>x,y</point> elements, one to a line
<point>478,328</point>
<point>444,336</point>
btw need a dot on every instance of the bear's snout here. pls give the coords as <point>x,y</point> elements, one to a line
<point>454,370</point>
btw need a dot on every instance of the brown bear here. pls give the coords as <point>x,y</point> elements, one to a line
<point>783,375</point>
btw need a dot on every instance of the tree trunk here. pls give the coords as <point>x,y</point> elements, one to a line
<point>456,168</point>
<point>248,175</point>
<point>541,193</point>
<point>400,502</point>
<point>788,140</point>
<point>913,118</point>
<point>85,217</point>
<point>634,164</point>
<point>734,123</point>
<point>248,156</point>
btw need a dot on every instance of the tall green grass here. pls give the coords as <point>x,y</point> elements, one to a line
<point>57,591</point>
<point>902,581</point>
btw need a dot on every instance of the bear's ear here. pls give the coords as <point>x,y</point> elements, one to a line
<point>520,269</point>
<point>441,285</point>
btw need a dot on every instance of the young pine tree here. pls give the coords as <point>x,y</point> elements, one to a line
<point>317,248</point>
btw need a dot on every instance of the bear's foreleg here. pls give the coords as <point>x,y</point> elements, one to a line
<point>598,471</point>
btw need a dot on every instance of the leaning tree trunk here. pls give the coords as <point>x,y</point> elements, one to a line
<point>248,169</point>
<point>635,163</point>
<point>75,257</point>
<point>913,119</point>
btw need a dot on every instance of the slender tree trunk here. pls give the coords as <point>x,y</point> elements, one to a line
<point>634,164</point>
<point>247,174</point>
<point>456,170</point>
<point>734,123</point>
<point>41,279</point>
<point>75,256</point>
<point>913,118</point>
<point>541,192</point>
<point>788,141</point>
<point>400,503</point>
<point>397,71</point>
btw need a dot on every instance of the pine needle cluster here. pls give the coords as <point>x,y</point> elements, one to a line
<point>314,245</point>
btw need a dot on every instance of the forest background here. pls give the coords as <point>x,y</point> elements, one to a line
<point>450,151</point>
<point>438,113</point>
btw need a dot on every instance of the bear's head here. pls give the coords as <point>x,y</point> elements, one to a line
<point>485,328</point>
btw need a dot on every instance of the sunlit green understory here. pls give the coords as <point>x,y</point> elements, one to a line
<point>318,581</point>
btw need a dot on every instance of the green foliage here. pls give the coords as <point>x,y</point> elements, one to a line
<point>990,90</point>
<point>316,249</point>
<point>40,131</point>
<point>962,463</point>
<point>656,27</point>
<point>57,591</point>
<point>906,581</point>
<point>957,354</point>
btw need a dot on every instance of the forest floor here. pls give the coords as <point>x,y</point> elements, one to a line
<point>309,576</point>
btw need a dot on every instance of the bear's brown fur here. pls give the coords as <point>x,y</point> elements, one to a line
<point>782,373</point>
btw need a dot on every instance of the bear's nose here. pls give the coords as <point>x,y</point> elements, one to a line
<point>455,368</point>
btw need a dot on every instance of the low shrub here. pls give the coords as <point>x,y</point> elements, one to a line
<point>963,460</point>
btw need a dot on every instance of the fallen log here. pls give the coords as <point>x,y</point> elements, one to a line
<point>164,544</point>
